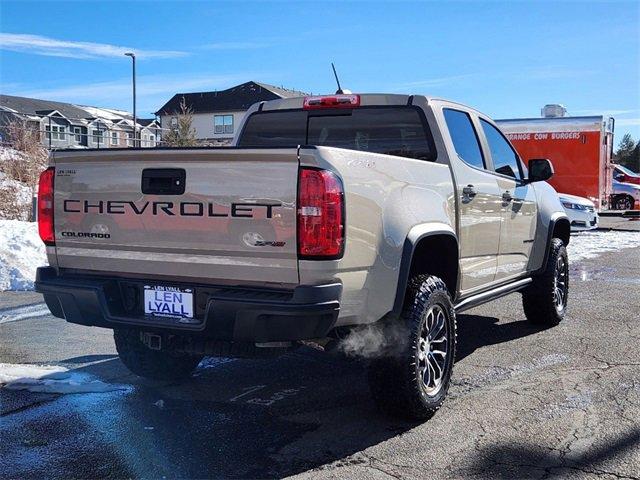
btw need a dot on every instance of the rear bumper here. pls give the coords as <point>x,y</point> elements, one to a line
<point>221,313</point>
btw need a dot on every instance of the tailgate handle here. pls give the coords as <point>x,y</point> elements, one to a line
<point>163,181</point>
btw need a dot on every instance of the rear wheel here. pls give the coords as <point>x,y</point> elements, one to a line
<point>623,202</point>
<point>413,381</point>
<point>545,300</point>
<point>152,364</point>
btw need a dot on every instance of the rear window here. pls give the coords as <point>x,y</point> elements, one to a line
<point>399,131</point>
<point>275,129</point>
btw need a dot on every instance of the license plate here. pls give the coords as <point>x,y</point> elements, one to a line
<point>168,301</point>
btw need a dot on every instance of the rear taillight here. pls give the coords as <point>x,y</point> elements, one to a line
<point>320,215</point>
<point>45,206</point>
<point>331,101</point>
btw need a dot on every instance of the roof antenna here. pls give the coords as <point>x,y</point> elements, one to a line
<point>340,91</point>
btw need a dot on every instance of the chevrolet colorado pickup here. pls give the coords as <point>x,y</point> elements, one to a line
<point>329,214</point>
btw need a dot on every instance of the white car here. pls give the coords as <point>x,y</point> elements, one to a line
<point>625,195</point>
<point>581,212</point>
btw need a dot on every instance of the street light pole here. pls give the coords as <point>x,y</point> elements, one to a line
<point>135,120</point>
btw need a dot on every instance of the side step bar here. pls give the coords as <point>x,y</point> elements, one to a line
<point>484,297</point>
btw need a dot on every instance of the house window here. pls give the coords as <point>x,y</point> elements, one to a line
<point>129,139</point>
<point>174,122</point>
<point>78,133</point>
<point>114,138</point>
<point>55,132</point>
<point>223,124</point>
<point>97,136</point>
<point>152,140</point>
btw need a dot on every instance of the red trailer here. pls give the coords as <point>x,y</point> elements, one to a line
<point>580,148</point>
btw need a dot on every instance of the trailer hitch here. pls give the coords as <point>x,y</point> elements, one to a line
<point>151,340</point>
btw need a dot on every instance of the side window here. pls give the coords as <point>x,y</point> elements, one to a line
<point>464,137</point>
<point>505,159</point>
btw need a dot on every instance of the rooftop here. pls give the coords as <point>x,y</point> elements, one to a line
<point>240,97</point>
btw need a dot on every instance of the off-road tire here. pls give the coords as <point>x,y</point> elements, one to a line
<point>395,380</point>
<point>539,298</point>
<point>152,364</point>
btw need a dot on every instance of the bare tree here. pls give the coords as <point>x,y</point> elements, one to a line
<point>22,168</point>
<point>184,135</point>
<point>27,166</point>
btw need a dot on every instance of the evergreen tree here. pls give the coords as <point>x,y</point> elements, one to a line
<point>628,153</point>
<point>183,135</point>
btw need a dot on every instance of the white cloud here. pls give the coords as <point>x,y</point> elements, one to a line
<point>39,45</point>
<point>627,122</point>
<point>235,46</point>
<point>602,111</point>
<point>435,82</point>
<point>543,73</point>
<point>553,72</point>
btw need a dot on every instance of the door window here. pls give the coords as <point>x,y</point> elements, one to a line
<point>505,158</point>
<point>464,137</point>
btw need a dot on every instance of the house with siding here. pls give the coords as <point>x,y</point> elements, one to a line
<point>217,114</point>
<point>65,125</point>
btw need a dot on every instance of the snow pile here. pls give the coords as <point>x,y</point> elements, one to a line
<point>23,313</point>
<point>21,193</point>
<point>591,244</point>
<point>21,252</point>
<point>7,154</point>
<point>15,196</point>
<point>51,379</point>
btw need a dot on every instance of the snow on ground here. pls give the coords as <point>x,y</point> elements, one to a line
<point>22,191</point>
<point>591,244</point>
<point>19,193</point>
<point>23,312</point>
<point>21,252</point>
<point>51,379</point>
<point>7,153</point>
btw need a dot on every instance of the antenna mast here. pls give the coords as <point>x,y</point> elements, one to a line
<point>335,74</point>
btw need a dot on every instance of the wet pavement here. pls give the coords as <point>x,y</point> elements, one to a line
<point>525,402</point>
<point>619,222</point>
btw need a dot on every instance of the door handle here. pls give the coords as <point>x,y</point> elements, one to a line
<point>506,196</point>
<point>163,181</point>
<point>469,191</point>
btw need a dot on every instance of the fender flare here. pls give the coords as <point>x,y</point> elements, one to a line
<point>415,235</point>
<point>555,219</point>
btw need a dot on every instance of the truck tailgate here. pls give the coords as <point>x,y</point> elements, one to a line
<point>214,215</point>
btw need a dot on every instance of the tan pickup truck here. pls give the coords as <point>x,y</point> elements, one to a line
<point>328,215</point>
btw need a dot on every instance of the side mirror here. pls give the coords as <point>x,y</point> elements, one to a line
<point>540,169</point>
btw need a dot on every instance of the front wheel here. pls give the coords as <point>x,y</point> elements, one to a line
<point>545,300</point>
<point>413,381</point>
<point>623,202</point>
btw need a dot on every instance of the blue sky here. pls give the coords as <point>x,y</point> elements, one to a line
<point>506,59</point>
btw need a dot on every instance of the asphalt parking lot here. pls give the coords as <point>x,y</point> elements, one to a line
<point>525,402</point>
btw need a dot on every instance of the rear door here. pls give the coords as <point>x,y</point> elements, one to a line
<point>216,215</point>
<point>518,204</point>
<point>479,203</point>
